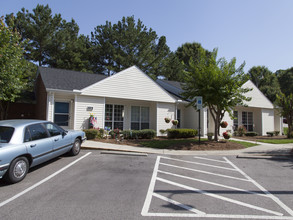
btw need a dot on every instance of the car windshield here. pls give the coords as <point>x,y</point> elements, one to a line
<point>6,134</point>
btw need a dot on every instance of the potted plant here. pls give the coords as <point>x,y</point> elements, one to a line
<point>210,136</point>
<point>167,119</point>
<point>224,124</point>
<point>175,122</point>
<point>227,135</point>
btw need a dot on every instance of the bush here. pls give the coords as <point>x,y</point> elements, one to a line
<point>181,133</point>
<point>276,133</point>
<point>241,130</point>
<point>162,131</point>
<point>139,134</point>
<point>270,133</point>
<point>251,134</point>
<point>286,131</point>
<point>91,133</point>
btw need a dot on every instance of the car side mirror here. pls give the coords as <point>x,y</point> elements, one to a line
<point>64,133</point>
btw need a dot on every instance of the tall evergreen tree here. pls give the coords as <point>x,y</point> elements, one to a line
<point>265,80</point>
<point>50,40</point>
<point>285,78</point>
<point>118,46</point>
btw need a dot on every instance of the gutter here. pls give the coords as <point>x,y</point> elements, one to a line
<point>75,91</point>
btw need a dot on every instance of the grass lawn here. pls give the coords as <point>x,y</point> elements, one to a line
<point>276,141</point>
<point>245,144</point>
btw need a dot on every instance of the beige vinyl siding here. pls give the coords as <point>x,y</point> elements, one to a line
<point>132,84</point>
<point>165,110</point>
<point>267,120</point>
<point>82,114</point>
<point>258,99</point>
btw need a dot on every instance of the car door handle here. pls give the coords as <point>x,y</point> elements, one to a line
<point>57,139</point>
<point>33,145</point>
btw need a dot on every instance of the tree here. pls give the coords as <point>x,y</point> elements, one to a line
<point>285,78</point>
<point>173,68</point>
<point>218,82</point>
<point>265,80</point>
<point>116,47</point>
<point>12,64</point>
<point>190,51</point>
<point>51,40</point>
<point>285,104</point>
<point>37,28</point>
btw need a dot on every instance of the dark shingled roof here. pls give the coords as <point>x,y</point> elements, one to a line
<point>173,87</point>
<point>68,79</point>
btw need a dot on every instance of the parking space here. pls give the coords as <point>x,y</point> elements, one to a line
<point>208,187</point>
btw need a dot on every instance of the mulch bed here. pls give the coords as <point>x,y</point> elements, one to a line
<point>204,145</point>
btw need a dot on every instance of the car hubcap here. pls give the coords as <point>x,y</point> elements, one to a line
<point>19,169</point>
<point>76,146</point>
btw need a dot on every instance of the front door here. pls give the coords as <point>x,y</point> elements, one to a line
<point>61,114</point>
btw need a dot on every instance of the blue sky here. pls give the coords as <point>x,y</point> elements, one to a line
<point>258,32</point>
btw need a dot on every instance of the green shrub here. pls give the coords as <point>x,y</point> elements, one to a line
<point>181,133</point>
<point>285,131</point>
<point>251,134</point>
<point>101,133</point>
<point>162,131</point>
<point>270,133</point>
<point>241,130</point>
<point>139,134</point>
<point>276,133</point>
<point>91,133</point>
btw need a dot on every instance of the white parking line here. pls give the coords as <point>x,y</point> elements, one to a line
<point>205,172</point>
<point>219,197</point>
<point>42,181</point>
<point>148,198</point>
<point>203,158</point>
<point>189,208</point>
<point>212,183</point>
<point>151,193</point>
<point>203,164</point>
<point>290,211</point>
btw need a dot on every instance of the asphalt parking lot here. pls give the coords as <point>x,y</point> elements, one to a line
<point>108,186</point>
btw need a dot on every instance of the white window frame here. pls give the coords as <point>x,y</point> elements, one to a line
<point>113,121</point>
<point>140,118</point>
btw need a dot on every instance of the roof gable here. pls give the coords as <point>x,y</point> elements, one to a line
<point>60,79</point>
<point>131,83</point>
<point>258,99</point>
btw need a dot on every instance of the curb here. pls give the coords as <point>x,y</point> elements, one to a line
<point>263,156</point>
<point>124,153</point>
<point>117,150</point>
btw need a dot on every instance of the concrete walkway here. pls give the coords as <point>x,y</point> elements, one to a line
<point>261,150</point>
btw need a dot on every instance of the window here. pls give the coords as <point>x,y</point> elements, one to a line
<point>61,114</point>
<point>6,134</point>
<point>235,120</point>
<point>114,116</point>
<point>53,130</point>
<point>247,120</point>
<point>178,117</point>
<point>140,118</point>
<point>35,132</point>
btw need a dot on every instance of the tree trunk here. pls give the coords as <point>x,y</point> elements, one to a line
<point>4,110</point>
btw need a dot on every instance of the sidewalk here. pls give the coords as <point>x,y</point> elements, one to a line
<point>261,150</point>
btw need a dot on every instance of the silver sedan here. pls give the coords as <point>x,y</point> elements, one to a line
<point>27,143</point>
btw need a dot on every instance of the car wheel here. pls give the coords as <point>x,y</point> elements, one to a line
<point>17,170</point>
<point>75,148</point>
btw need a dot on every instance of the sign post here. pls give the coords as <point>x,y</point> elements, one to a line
<point>199,107</point>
